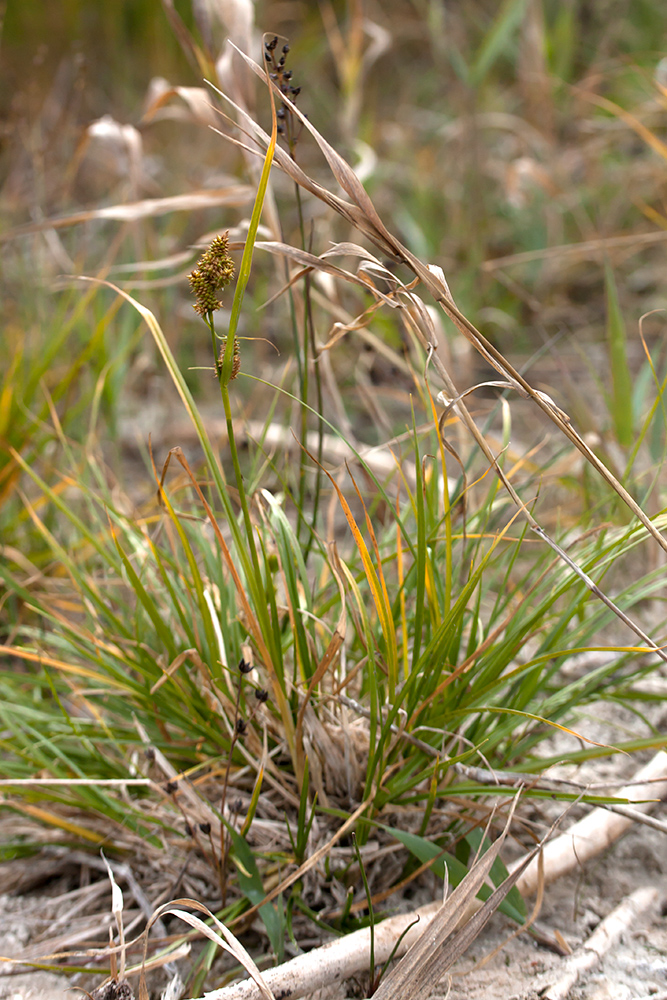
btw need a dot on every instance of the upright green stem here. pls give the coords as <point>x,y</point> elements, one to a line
<point>209,321</point>
<point>250,535</point>
<point>308,341</point>
<point>255,579</point>
<point>224,391</point>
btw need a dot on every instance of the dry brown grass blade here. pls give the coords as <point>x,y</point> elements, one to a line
<point>434,281</point>
<point>311,861</point>
<point>334,962</point>
<point>310,261</point>
<point>197,101</point>
<point>422,929</point>
<point>238,194</point>
<point>223,937</point>
<point>547,406</point>
<point>348,211</point>
<point>587,248</point>
<point>442,943</point>
<point>530,922</point>
<point>341,170</point>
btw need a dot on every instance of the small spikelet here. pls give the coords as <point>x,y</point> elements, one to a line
<point>214,270</point>
<point>236,360</point>
<point>288,126</point>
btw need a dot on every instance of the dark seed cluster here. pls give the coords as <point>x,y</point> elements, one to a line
<point>288,124</point>
<point>214,270</point>
<point>261,697</point>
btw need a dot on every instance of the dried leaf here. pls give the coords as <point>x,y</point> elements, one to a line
<point>441,943</point>
<point>238,194</point>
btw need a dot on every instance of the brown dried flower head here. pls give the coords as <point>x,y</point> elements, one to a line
<point>214,270</point>
<point>288,126</point>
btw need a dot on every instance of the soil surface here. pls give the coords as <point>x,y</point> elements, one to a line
<point>636,967</point>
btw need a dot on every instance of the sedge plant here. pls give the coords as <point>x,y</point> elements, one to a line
<point>185,676</point>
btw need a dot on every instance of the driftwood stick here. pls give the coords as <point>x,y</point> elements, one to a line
<point>335,961</point>
<point>598,830</point>
<point>603,938</point>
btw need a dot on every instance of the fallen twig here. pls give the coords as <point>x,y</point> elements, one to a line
<point>598,830</point>
<point>335,961</point>
<point>456,925</point>
<point>601,941</point>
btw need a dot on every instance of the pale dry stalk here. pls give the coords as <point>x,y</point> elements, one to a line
<point>599,829</point>
<point>602,940</point>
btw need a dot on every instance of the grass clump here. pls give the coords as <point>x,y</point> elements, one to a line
<point>294,640</point>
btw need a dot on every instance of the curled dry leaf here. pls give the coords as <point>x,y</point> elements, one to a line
<point>197,101</point>
<point>221,936</point>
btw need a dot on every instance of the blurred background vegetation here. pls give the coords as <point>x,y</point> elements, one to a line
<point>482,131</point>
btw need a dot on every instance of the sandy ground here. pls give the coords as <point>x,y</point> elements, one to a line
<point>635,968</point>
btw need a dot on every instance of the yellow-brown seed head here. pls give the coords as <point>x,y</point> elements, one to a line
<point>215,269</point>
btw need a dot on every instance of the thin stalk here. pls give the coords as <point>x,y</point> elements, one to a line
<point>308,342</point>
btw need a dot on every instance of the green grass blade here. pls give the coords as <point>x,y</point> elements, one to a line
<point>497,40</point>
<point>621,395</point>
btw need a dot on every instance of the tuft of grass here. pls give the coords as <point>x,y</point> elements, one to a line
<point>285,645</point>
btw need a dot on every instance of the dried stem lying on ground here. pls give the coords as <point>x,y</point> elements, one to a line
<point>432,938</point>
<point>341,959</point>
<point>600,828</point>
<point>623,918</point>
